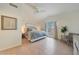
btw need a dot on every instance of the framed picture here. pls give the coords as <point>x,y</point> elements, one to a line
<point>8,23</point>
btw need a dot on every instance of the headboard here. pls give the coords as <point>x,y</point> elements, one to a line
<point>31,28</point>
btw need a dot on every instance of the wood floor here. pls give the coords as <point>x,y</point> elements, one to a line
<point>47,46</point>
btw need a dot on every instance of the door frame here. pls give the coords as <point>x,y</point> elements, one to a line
<point>55,24</point>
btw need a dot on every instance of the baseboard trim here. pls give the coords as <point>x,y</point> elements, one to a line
<point>10,47</point>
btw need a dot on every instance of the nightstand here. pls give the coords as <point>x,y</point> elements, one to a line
<point>25,35</point>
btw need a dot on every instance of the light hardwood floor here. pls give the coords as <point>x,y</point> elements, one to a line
<point>47,46</point>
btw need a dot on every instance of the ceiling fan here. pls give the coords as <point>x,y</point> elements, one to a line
<point>36,8</point>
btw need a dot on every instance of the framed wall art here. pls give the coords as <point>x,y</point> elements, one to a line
<point>8,23</point>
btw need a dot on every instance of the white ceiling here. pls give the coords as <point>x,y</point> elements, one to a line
<point>50,9</point>
<point>55,8</point>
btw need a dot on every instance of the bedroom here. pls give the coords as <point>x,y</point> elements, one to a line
<point>37,15</point>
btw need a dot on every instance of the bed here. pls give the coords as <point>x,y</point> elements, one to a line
<point>35,35</point>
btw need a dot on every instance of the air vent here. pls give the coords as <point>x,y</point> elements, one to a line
<point>13,5</point>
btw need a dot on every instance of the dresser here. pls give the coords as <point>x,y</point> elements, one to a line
<point>68,39</point>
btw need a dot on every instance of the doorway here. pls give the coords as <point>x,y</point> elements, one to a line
<point>51,29</point>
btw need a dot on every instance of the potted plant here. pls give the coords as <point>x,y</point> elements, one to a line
<point>64,30</point>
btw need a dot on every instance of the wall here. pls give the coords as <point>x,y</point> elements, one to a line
<point>70,19</point>
<point>9,38</point>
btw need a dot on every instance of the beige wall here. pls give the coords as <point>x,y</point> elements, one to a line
<point>70,19</point>
<point>9,38</point>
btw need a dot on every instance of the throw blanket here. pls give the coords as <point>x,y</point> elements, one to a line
<point>36,35</point>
